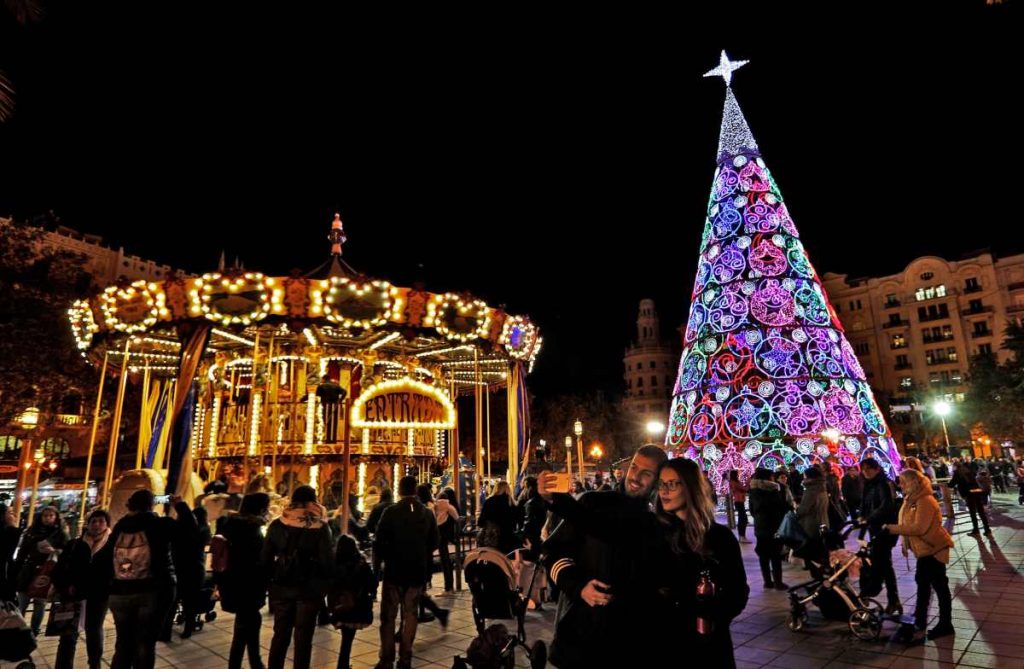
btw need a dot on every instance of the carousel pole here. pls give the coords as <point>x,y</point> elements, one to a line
<point>252,402</point>
<point>487,400</point>
<point>453,451</point>
<point>115,428</point>
<point>145,418</point>
<point>271,406</point>
<point>478,405</point>
<point>345,494</point>
<point>92,440</point>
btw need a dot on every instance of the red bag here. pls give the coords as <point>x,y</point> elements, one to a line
<point>42,583</point>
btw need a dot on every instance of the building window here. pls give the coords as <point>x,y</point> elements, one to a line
<point>981,329</point>
<point>668,380</point>
<point>971,284</point>
<point>640,382</point>
<point>891,301</point>
<point>933,312</point>
<point>906,382</point>
<point>654,382</point>
<point>653,364</point>
<point>902,362</point>
<point>951,354</point>
<point>985,349</point>
<point>956,377</point>
<point>930,293</point>
<point>899,341</point>
<point>933,378</point>
<point>947,332</point>
<point>862,348</point>
<point>894,319</point>
<point>976,306</point>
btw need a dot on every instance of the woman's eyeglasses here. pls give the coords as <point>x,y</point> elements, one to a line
<point>670,486</point>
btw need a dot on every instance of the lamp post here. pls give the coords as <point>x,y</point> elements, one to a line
<point>942,409</point>
<point>568,455</point>
<point>653,429</point>
<point>39,456</point>
<point>577,428</point>
<point>28,420</point>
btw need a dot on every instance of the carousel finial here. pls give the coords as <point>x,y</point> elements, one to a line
<point>337,235</point>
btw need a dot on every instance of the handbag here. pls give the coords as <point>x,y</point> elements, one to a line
<point>42,581</point>
<point>790,531</point>
<point>65,618</point>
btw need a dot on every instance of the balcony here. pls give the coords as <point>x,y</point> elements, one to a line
<point>935,361</point>
<point>937,340</point>
<point>892,304</point>
<point>983,309</point>
<point>906,365</point>
<point>979,334</point>
<point>896,347</point>
<point>928,318</point>
<point>895,324</point>
<point>1019,285</point>
<point>972,289</point>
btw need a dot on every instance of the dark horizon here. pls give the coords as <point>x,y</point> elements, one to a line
<point>562,170</point>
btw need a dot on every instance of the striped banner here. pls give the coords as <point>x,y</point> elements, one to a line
<point>179,469</point>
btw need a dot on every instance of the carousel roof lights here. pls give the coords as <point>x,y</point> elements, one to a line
<point>385,340</point>
<point>233,337</point>
<point>442,351</point>
<point>310,337</point>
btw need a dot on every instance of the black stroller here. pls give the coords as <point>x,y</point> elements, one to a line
<point>831,591</point>
<point>497,595</point>
<point>205,606</point>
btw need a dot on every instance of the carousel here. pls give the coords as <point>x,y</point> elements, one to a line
<point>331,378</point>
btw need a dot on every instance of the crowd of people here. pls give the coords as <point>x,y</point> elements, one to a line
<point>636,555</point>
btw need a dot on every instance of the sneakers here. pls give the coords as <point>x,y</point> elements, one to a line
<point>781,586</point>
<point>894,608</point>
<point>940,631</point>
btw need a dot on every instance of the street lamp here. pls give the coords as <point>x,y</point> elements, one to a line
<point>943,409</point>
<point>577,427</point>
<point>39,456</point>
<point>29,420</point>
<point>654,428</point>
<point>596,452</point>
<point>568,454</point>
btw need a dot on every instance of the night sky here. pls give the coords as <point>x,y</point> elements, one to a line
<point>556,164</point>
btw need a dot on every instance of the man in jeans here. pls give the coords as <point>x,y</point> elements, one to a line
<point>143,584</point>
<point>878,508</point>
<point>297,553</point>
<point>403,550</point>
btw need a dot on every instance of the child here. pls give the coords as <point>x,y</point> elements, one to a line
<point>351,594</point>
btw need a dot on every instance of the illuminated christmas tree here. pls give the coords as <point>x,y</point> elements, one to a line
<point>767,376</point>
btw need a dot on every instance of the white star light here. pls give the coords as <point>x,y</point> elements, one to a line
<point>725,68</point>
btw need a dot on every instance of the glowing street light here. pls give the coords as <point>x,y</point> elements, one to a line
<point>654,428</point>
<point>943,409</point>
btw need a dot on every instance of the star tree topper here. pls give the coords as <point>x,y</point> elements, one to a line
<point>725,68</point>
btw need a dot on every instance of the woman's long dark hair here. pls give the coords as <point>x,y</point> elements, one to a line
<point>688,535</point>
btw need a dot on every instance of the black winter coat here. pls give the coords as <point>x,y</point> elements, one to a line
<point>680,607</point>
<point>353,587</point>
<point>8,545</point>
<point>29,557</point>
<point>82,574</point>
<point>403,547</point>
<point>243,585</point>
<point>878,506</point>
<point>615,539</point>
<point>768,506</point>
<point>499,510</point>
<point>158,531</point>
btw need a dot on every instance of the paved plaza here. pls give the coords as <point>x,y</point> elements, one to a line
<point>988,609</point>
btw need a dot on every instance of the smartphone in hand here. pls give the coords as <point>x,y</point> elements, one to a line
<point>561,482</point>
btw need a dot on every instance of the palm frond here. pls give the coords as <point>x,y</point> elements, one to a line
<point>6,98</point>
<point>25,11</point>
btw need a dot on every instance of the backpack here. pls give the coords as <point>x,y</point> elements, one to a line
<point>292,567</point>
<point>220,554</point>
<point>132,557</point>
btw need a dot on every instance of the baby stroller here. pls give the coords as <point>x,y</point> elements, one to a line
<point>831,591</point>
<point>205,605</point>
<point>493,582</point>
<point>16,640</point>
